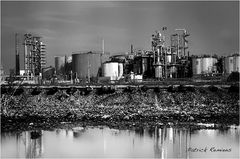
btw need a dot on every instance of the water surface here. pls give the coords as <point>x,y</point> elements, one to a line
<point>85,142</point>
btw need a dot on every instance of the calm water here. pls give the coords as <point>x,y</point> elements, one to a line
<point>106,142</point>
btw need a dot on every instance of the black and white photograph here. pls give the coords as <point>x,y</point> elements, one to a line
<point>119,79</point>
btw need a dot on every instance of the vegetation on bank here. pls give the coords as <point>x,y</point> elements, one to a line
<point>215,105</point>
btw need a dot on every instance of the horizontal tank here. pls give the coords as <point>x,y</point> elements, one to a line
<point>59,64</point>
<point>86,65</point>
<point>111,69</point>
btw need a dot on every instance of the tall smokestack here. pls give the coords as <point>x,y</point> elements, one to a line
<point>17,54</point>
<point>131,49</point>
<point>103,46</point>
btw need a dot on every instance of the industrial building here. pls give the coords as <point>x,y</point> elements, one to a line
<point>159,63</point>
<point>162,61</point>
<point>172,61</point>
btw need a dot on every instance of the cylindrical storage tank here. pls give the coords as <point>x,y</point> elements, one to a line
<point>169,58</point>
<point>110,69</point>
<point>173,72</point>
<point>206,64</point>
<point>158,72</point>
<point>236,64</point>
<point>174,58</point>
<point>59,64</point>
<point>144,65</point>
<point>120,70</point>
<point>87,64</point>
<point>228,63</point>
<point>197,66</point>
<point>151,67</point>
<point>214,68</point>
<point>137,66</point>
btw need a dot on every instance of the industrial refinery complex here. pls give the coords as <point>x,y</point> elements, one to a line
<point>158,64</point>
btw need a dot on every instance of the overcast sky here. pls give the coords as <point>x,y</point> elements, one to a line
<point>71,26</point>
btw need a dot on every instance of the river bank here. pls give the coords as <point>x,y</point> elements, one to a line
<point>120,107</point>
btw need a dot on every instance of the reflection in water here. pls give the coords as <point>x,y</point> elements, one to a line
<point>105,142</point>
<point>78,131</point>
<point>33,144</point>
<point>169,142</point>
<point>27,144</point>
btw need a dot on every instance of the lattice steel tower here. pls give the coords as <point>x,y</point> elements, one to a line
<point>34,59</point>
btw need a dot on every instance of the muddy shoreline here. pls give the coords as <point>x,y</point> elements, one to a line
<point>119,108</point>
<point>11,125</point>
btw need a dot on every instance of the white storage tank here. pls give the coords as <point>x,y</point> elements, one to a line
<point>111,69</point>
<point>208,64</point>
<point>236,64</point>
<point>169,58</point>
<point>120,70</point>
<point>197,66</point>
<point>158,72</point>
<point>231,64</point>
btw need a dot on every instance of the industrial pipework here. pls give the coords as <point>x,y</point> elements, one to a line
<point>34,55</point>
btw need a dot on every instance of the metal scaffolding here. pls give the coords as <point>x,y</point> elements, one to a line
<point>34,55</point>
<point>170,61</point>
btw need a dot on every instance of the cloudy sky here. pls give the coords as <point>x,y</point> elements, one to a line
<point>66,27</point>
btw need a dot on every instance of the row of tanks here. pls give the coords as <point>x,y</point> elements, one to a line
<point>202,65</point>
